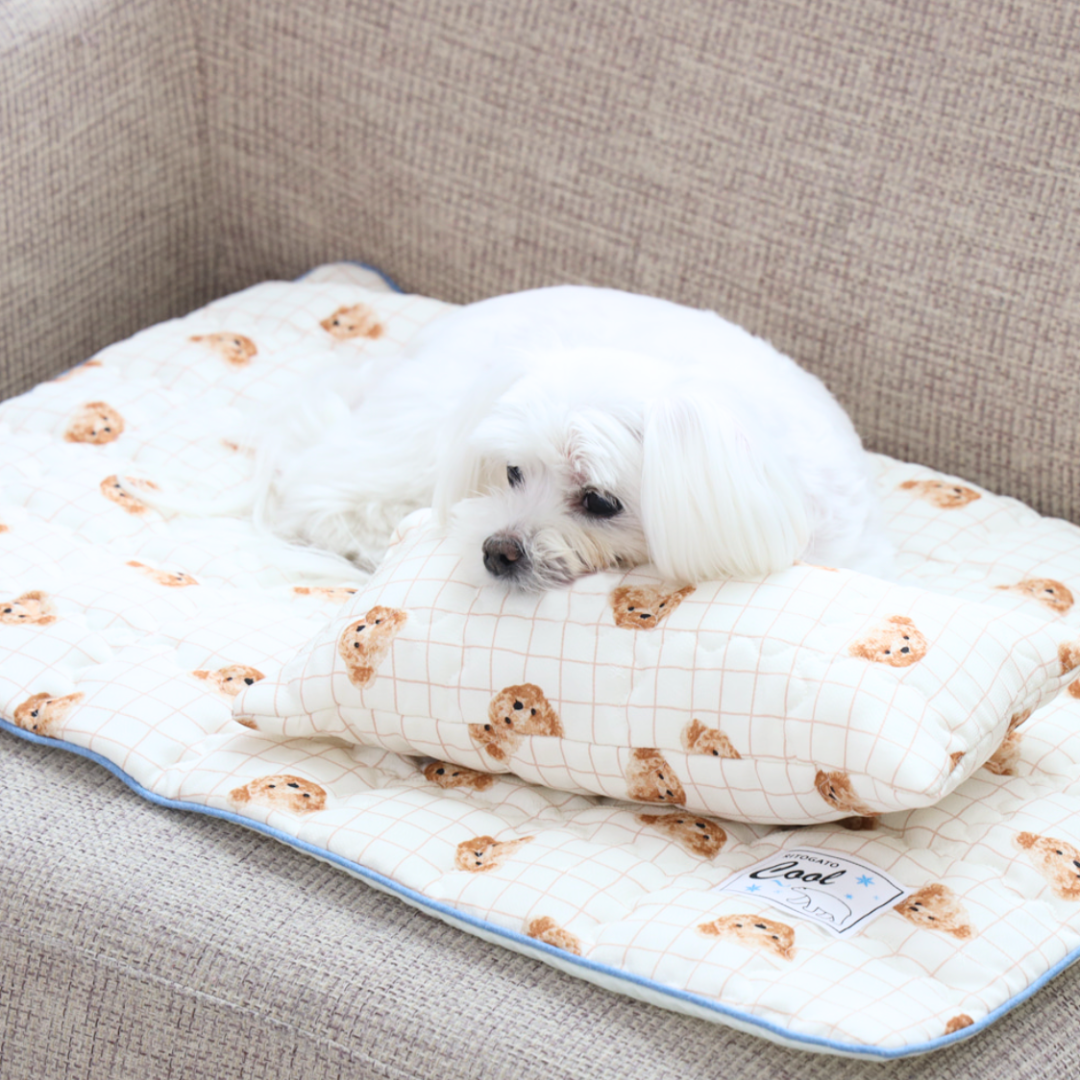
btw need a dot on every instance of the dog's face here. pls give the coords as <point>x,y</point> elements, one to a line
<point>483,853</point>
<point>95,423</point>
<point>587,460</point>
<point>937,907</point>
<point>230,680</point>
<point>1056,860</point>
<point>1053,594</point>
<point>837,790</point>
<point>698,835</point>
<point>895,641</point>
<point>754,932</point>
<point>649,778</point>
<point>357,320</point>
<point>42,714</point>
<point>293,794</point>
<point>235,349</point>
<point>32,608</point>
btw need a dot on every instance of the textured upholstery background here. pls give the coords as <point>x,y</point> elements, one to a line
<point>184,947</point>
<point>104,209</point>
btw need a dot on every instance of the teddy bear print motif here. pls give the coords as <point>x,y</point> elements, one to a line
<point>838,791</point>
<point>698,739</point>
<point>293,794</point>
<point>514,712</point>
<point>958,1023</point>
<point>43,713</point>
<point>941,493</point>
<point>230,680</point>
<point>697,835</point>
<point>1057,861</point>
<point>337,593</point>
<point>1006,757</point>
<point>235,349</point>
<point>1049,593</point>
<point>937,907</point>
<point>484,853</point>
<point>546,929</point>
<point>457,776</point>
<point>31,609</point>
<point>364,643</point>
<point>753,932</point>
<point>895,641</point>
<point>95,423</point>
<point>353,321</point>
<point>111,489</point>
<point>644,607</point>
<point>649,778</point>
<point>172,579</point>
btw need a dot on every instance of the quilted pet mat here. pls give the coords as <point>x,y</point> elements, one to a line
<point>126,635</point>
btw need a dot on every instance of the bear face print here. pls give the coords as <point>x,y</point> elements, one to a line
<point>235,349</point>
<point>941,493</point>
<point>838,791</point>
<point>457,776</point>
<point>337,593</point>
<point>95,423</point>
<point>644,607</point>
<point>1057,861</point>
<point>937,907</point>
<point>31,609</point>
<point>753,932</point>
<point>698,739</point>
<point>230,680</point>
<point>1051,594</point>
<point>356,320</point>
<point>894,641</point>
<point>111,489</point>
<point>698,835</point>
<point>364,643</point>
<point>649,778</point>
<point>512,713</point>
<point>43,713</point>
<point>293,794</point>
<point>484,853</point>
<point>549,931</point>
<point>171,579</point>
<point>1006,757</point>
<point>958,1023</point>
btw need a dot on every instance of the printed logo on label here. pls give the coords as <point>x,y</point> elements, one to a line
<point>841,893</point>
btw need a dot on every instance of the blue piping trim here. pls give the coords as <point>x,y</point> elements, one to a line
<point>542,948</point>
<point>366,266</point>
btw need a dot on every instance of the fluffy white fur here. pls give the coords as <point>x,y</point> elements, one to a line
<point>724,456</point>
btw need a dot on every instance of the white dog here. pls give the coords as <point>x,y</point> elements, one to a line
<point>566,430</point>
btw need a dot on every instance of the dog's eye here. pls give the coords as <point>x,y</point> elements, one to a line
<point>513,475</point>
<point>601,506</point>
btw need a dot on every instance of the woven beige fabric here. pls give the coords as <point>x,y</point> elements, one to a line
<point>185,947</point>
<point>104,220</point>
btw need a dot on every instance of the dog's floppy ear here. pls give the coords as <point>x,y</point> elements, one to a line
<point>463,469</point>
<point>716,498</point>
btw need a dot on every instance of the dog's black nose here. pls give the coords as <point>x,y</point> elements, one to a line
<point>503,556</point>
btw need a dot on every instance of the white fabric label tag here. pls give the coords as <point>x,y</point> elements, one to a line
<point>839,892</point>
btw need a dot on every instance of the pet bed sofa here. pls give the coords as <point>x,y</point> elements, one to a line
<point>876,190</point>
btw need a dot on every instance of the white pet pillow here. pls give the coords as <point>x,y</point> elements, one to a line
<point>809,695</point>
